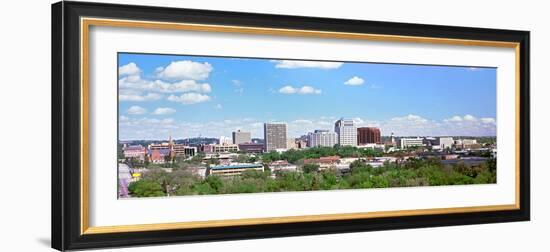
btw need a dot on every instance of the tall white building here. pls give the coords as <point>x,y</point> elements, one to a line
<point>275,136</point>
<point>240,137</point>
<point>347,132</point>
<point>322,138</point>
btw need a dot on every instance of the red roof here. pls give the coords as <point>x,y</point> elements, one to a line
<point>322,160</point>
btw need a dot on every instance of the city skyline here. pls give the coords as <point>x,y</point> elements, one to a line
<point>190,96</point>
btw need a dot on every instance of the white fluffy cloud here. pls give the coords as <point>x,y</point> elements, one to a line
<point>411,118</point>
<point>488,120</point>
<point>164,111</point>
<point>128,69</point>
<point>415,125</point>
<point>287,90</point>
<point>147,128</point>
<point>136,110</point>
<point>138,97</point>
<point>304,90</point>
<point>178,77</point>
<point>354,81</point>
<point>470,125</point>
<point>469,118</point>
<point>454,119</point>
<point>291,64</point>
<point>302,121</point>
<point>124,118</point>
<point>185,69</point>
<point>465,118</point>
<point>164,87</point>
<point>189,98</point>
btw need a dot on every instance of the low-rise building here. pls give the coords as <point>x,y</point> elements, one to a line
<point>439,143</point>
<point>386,159</point>
<point>159,146</point>
<point>405,142</point>
<point>374,146</point>
<point>348,160</point>
<point>324,162</point>
<point>221,156</point>
<point>217,148</point>
<point>251,147</point>
<point>281,165</point>
<point>234,169</point>
<point>158,156</point>
<point>465,143</point>
<point>137,152</point>
<point>375,163</point>
<point>445,142</point>
<point>183,150</point>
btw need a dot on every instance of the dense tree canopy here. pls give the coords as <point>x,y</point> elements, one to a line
<point>414,172</point>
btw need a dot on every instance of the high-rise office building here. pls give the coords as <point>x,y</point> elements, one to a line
<point>347,132</point>
<point>368,135</point>
<point>322,138</point>
<point>240,137</point>
<point>275,136</point>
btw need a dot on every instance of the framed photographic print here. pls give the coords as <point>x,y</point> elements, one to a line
<point>180,125</point>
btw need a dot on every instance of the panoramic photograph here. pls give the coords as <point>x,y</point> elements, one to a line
<point>209,125</point>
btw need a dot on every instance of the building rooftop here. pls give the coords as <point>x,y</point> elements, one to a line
<point>330,159</point>
<point>161,151</point>
<point>279,162</point>
<point>134,147</point>
<point>240,166</point>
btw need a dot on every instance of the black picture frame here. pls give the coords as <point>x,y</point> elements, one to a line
<point>66,114</point>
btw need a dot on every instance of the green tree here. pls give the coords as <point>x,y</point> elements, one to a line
<point>144,188</point>
<point>203,188</point>
<point>215,182</point>
<point>271,156</point>
<point>329,179</point>
<point>309,168</point>
<point>242,158</point>
<point>252,159</point>
<point>359,166</point>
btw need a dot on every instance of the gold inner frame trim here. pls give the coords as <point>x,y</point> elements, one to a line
<point>85,24</point>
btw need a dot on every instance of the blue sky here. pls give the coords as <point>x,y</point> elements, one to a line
<point>212,96</point>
